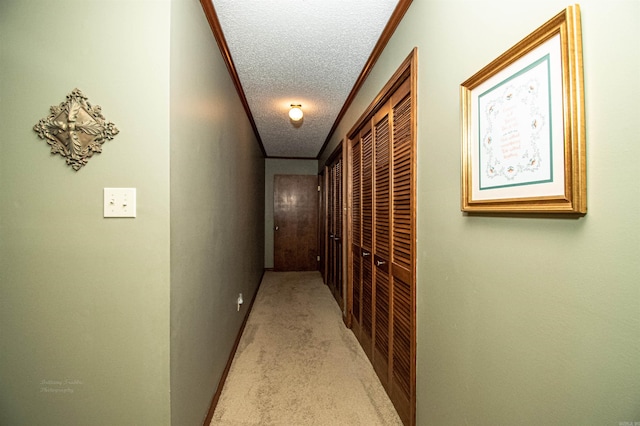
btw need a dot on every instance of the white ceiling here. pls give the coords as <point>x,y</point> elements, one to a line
<point>309,52</point>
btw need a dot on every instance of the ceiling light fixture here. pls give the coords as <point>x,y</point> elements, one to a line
<point>295,113</point>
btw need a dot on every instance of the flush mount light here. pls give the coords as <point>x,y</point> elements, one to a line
<point>295,113</point>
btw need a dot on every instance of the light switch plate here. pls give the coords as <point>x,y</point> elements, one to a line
<point>119,202</point>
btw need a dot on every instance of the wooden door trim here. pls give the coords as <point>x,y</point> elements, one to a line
<point>337,151</point>
<point>414,185</point>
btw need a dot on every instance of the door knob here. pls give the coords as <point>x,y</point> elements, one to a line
<point>380,262</point>
<point>365,254</point>
<point>276,227</point>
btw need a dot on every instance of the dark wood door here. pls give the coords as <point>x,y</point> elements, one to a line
<point>402,254</point>
<point>322,224</point>
<point>295,214</point>
<point>335,228</point>
<point>382,224</point>
<point>381,256</point>
<point>355,189</point>
<point>362,216</point>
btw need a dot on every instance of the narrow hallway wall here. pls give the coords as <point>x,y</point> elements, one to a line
<point>217,214</point>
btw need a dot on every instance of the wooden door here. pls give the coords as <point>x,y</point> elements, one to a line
<point>355,221</point>
<point>295,214</point>
<point>381,262</point>
<point>335,227</point>
<point>381,253</point>
<point>322,224</point>
<point>366,259</point>
<point>402,256</point>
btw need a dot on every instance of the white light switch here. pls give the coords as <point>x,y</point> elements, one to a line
<point>119,202</point>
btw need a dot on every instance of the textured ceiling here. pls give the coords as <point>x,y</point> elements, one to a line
<point>309,52</point>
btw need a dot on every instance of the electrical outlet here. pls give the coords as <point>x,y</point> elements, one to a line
<point>240,301</point>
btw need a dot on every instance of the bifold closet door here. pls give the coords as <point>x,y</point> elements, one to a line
<point>362,238</point>
<point>334,238</point>
<point>402,391</point>
<point>356,235</point>
<point>381,255</point>
<point>322,223</point>
<point>382,201</point>
<point>367,241</point>
<point>329,231</point>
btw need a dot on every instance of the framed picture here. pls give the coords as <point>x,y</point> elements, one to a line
<point>523,125</point>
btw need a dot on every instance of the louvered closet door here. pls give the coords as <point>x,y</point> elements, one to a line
<point>331,230</point>
<point>322,224</point>
<point>339,231</point>
<point>402,255</point>
<point>381,255</point>
<point>356,235</point>
<point>383,239</point>
<point>366,249</point>
<point>335,229</point>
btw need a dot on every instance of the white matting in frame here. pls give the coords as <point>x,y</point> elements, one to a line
<point>520,153</point>
<point>523,125</point>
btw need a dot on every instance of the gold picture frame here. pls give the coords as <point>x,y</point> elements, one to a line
<point>523,125</point>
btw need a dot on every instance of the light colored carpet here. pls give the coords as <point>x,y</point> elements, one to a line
<point>297,363</point>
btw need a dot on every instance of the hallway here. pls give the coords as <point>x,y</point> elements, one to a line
<point>297,363</point>
<point>520,318</point>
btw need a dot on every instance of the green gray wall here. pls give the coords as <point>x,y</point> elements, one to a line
<point>217,213</point>
<point>279,166</point>
<point>122,321</point>
<point>85,300</point>
<point>523,320</point>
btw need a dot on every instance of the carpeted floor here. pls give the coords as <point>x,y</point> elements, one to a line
<point>297,364</point>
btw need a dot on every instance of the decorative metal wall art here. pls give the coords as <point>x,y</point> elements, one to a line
<point>75,129</point>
